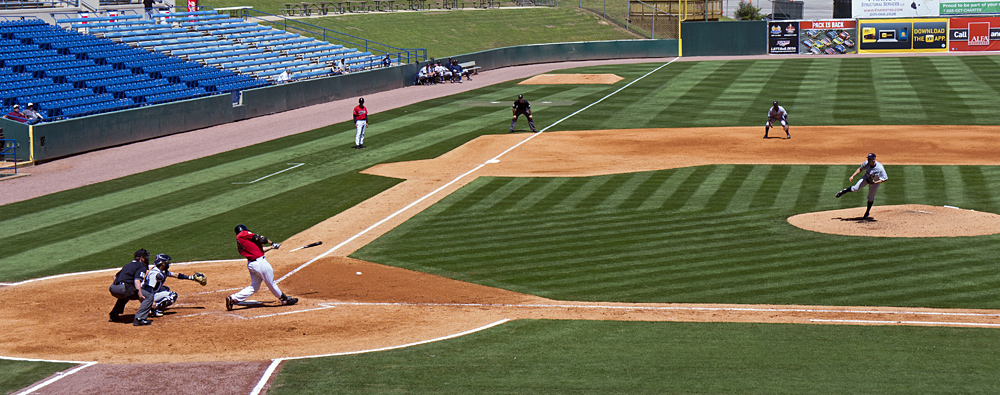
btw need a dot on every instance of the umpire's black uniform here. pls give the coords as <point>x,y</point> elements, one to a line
<point>124,286</point>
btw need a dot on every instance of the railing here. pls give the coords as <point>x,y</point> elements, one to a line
<point>33,4</point>
<point>652,21</point>
<point>403,55</point>
<point>8,147</point>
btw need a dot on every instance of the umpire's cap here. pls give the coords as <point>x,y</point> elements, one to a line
<point>240,228</point>
<point>871,156</point>
<point>141,253</point>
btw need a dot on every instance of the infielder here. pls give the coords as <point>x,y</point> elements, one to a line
<point>157,292</point>
<point>777,114</point>
<point>521,106</point>
<point>250,245</point>
<point>874,174</point>
<point>361,122</point>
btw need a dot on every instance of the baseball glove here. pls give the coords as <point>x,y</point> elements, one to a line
<point>200,278</point>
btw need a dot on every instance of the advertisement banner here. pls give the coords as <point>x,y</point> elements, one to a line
<point>920,8</point>
<point>974,34</point>
<point>903,35</point>
<point>833,37</point>
<point>782,37</point>
<point>828,37</point>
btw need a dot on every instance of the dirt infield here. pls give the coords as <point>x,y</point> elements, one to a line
<point>561,79</point>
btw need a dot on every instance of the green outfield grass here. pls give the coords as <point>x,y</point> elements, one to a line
<point>188,210</point>
<point>16,375</point>
<point>581,357</point>
<point>707,233</point>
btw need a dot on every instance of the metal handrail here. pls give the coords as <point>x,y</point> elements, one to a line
<point>9,150</point>
<point>410,55</point>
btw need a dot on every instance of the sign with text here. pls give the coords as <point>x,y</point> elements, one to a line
<point>974,34</point>
<point>835,37</point>
<point>782,37</point>
<point>903,35</point>
<point>921,8</point>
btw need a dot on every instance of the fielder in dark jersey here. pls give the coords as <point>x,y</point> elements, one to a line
<point>521,106</point>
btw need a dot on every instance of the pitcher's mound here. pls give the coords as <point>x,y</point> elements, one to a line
<point>911,220</point>
<point>543,79</point>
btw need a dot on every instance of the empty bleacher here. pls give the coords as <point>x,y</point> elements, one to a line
<point>221,42</point>
<point>69,74</point>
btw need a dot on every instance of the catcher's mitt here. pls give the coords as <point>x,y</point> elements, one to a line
<point>200,278</point>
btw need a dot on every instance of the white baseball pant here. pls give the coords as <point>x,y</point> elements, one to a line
<point>872,188</point>
<point>260,270</point>
<point>359,137</point>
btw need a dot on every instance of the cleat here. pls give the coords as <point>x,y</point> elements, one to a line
<point>114,317</point>
<point>229,303</point>
<point>141,322</point>
<point>155,313</point>
<point>839,194</point>
<point>289,301</point>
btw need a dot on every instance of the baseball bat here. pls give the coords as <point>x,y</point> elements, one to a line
<point>307,246</point>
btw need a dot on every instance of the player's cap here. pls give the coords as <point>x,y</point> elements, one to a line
<point>871,156</point>
<point>520,96</point>
<point>141,253</point>
<point>776,102</point>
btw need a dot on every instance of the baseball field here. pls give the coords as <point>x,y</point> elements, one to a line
<point>641,243</point>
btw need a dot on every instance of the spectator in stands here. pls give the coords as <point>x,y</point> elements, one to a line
<point>148,5</point>
<point>441,72</point>
<point>284,77</point>
<point>340,67</point>
<point>386,62</point>
<point>31,115</point>
<point>16,115</point>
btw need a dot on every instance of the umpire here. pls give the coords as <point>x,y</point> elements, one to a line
<point>127,283</point>
<point>521,106</point>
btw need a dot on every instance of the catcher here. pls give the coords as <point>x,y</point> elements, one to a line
<point>874,174</point>
<point>159,296</point>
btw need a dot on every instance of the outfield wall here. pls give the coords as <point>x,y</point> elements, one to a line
<point>54,140</point>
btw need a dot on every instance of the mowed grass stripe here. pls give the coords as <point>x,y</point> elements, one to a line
<point>719,252</point>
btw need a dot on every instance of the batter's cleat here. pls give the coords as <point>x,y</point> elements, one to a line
<point>114,317</point>
<point>229,303</point>
<point>286,301</point>
<point>141,322</point>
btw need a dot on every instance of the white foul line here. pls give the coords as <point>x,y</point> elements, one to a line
<point>495,159</point>
<point>59,376</point>
<point>272,174</point>
<point>274,363</point>
<point>908,322</point>
<point>671,308</point>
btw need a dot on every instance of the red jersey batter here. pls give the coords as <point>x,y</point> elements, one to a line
<point>249,245</point>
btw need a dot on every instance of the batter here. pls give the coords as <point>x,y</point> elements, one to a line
<point>250,245</point>
<point>874,174</point>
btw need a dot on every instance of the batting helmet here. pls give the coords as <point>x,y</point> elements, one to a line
<point>240,228</point>
<point>361,101</point>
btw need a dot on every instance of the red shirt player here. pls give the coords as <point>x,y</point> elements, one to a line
<point>251,246</point>
<point>361,122</point>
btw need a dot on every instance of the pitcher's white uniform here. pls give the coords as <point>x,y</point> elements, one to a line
<point>876,172</point>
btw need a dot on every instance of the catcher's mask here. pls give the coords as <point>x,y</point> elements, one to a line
<point>163,259</point>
